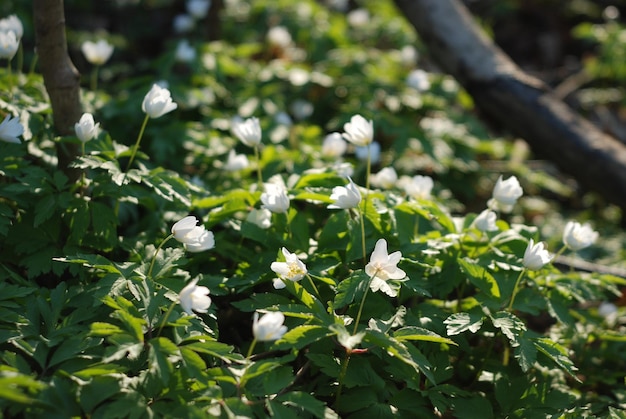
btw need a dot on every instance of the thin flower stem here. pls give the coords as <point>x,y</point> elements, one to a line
<point>10,80</point>
<point>368,170</point>
<point>317,293</point>
<point>515,289</point>
<point>20,58</point>
<point>362,221</point>
<point>167,315</point>
<point>342,376</point>
<point>358,315</point>
<point>259,175</point>
<point>156,252</point>
<point>33,64</point>
<point>251,349</point>
<point>136,146</point>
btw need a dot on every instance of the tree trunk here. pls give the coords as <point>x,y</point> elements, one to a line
<point>61,78</point>
<point>520,103</point>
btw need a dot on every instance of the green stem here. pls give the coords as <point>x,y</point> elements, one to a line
<point>9,79</point>
<point>136,146</point>
<point>358,314</point>
<point>258,166</point>
<point>251,349</point>
<point>361,219</point>
<point>519,278</point>
<point>33,64</point>
<point>317,293</point>
<point>156,252</point>
<point>167,315</point>
<point>20,58</point>
<point>342,376</point>
<point>93,85</point>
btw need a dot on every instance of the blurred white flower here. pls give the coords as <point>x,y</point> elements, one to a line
<point>386,178</point>
<point>382,267</point>
<point>292,269</point>
<point>577,236</point>
<point>12,24</point>
<point>359,131</point>
<point>86,128</point>
<point>158,102</point>
<point>343,169</point>
<point>505,194</point>
<point>10,129</point>
<point>198,9</point>
<point>409,55</point>
<point>358,18</point>
<point>269,327</point>
<point>606,309</point>
<point>184,24</point>
<point>235,162</point>
<point>9,43</point>
<point>536,256</point>
<point>283,118</point>
<point>345,197</point>
<point>301,109</point>
<point>418,80</point>
<point>486,221</point>
<point>334,145</point>
<point>418,187</point>
<point>194,298</point>
<point>275,198</point>
<point>372,149</point>
<point>97,53</point>
<point>261,217</point>
<point>248,131</point>
<point>185,53</point>
<point>279,36</point>
<point>195,238</point>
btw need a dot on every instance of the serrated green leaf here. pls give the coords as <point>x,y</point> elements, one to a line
<point>44,210</point>
<point>421,334</point>
<point>308,403</point>
<point>558,354</point>
<point>510,325</point>
<point>460,322</point>
<point>301,336</point>
<point>349,288</point>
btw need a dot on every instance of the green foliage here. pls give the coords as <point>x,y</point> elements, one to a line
<point>91,281</point>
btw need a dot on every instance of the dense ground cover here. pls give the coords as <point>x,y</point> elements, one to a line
<point>296,220</point>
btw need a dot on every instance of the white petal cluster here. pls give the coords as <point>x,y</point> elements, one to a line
<point>86,128</point>
<point>334,145</point>
<point>10,129</point>
<point>194,298</point>
<point>536,256</point>
<point>195,238</point>
<point>486,221</point>
<point>359,131</point>
<point>505,194</point>
<point>275,198</point>
<point>269,327</point>
<point>9,43</point>
<point>97,53</point>
<point>418,187</point>
<point>248,131</point>
<point>382,267</point>
<point>292,269</point>
<point>235,162</point>
<point>158,102</point>
<point>345,197</point>
<point>418,80</point>
<point>386,178</point>
<point>12,24</point>
<point>577,236</point>
<point>261,217</point>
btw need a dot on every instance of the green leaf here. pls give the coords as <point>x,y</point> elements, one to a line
<point>18,388</point>
<point>460,322</point>
<point>44,210</point>
<point>479,276</point>
<point>161,350</point>
<point>558,354</point>
<point>510,325</point>
<point>301,336</point>
<point>193,363</point>
<point>421,334</point>
<point>308,403</point>
<point>104,329</point>
<point>207,345</point>
<point>525,353</point>
<point>348,289</point>
<point>345,338</point>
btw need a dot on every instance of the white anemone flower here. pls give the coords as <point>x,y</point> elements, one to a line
<point>275,198</point>
<point>383,267</point>
<point>359,131</point>
<point>10,129</point>
<point>292,269</point>
<point>194,298</point>
<point>577,236</point>
<point>269,327</point>
<point>505,194</point>
<point>97,53</point>
<point>195,238</point>
<point>86,128</point>
<point>536,256</point>
<point>158,102</point>
<point>248,131</point>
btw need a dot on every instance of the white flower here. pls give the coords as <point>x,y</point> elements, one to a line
<point>334,145</point>
<point>607,309</point>
<point>235,162</point>
<point>292,269</point>
<point>418,80</point>
<point>195,238</point>
<point>269,327</point>
<point>486,221</point>
<point>275,198</point>
<point>248,131</point>
<point>409,55</point>
<point>283,118</point>
<point>343,169</point>
<point>535,256</point>
<point>12,24</point>
<point>505,194</point>
<point>358,17</point>
<point>158,102</point>
<point>301,109</point>
<point>345,197</point>
<point>185,53</point>
<point>372,149</point>
<point>194,298</point>
<point>382,267</point>
<point>183,23</point>
<point>10,129</point>
<point>279,36</point>
<point>261,217</point>
<point>86,128</point>
<point>359,131</point>
<point>9,43</point>
<point>386,178</point>
<point>198,8</point>
<point>97,53</point>
<point>577,236</point>
<point>418,187</point>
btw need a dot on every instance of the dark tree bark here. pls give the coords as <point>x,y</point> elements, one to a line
<point>61,78</point>
<point>520,103</point>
